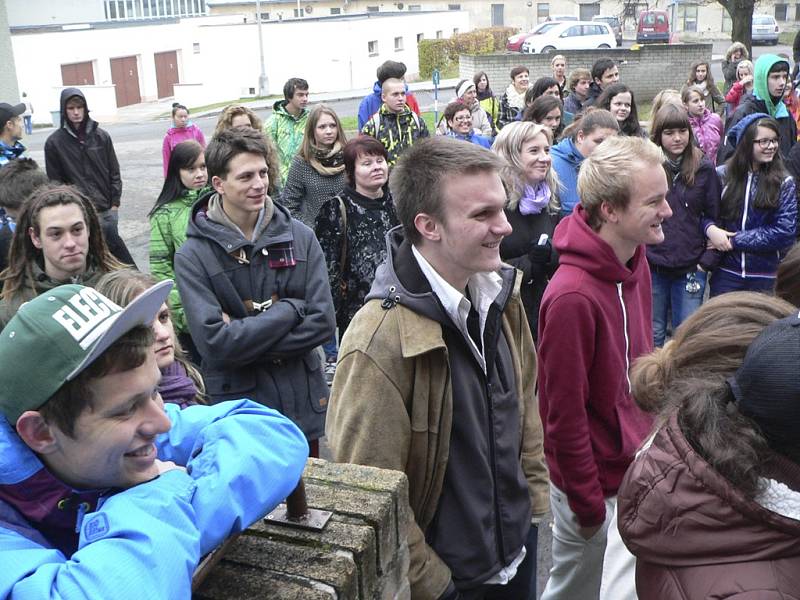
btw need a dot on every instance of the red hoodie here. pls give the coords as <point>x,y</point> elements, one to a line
<point>595,320</point>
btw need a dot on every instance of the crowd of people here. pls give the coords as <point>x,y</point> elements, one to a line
<point>541,303</point>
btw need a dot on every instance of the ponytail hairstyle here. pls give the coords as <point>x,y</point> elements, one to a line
<point>671,116</point>
<point>591,119</point>
<point>176,106</point>
<point>689,374</point>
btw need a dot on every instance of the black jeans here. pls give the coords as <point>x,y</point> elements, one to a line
<point>108,222</point>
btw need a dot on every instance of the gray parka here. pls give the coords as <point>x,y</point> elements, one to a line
<point>267,356</point>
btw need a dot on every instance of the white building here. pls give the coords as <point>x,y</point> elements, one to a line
<point>205,60</point>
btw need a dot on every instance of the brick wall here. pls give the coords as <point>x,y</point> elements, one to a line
<point>647,71</point>
<point>361,554</point>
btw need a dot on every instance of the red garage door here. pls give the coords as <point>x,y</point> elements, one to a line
<point>125,75</point>
<point>77,74</point>
<point>166,73</point>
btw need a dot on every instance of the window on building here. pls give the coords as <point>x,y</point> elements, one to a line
<point>414,7</point>
<point>420,37</point>
<point>298,13</point>
<point>372,48</point>
<point>439,35</point>
<point>542,11</point>
<point>196,48</point>
<point>336,11</point>
<point>687,17</point>
<point>398,44</point>
<point>797,12</point>
<point>264,16</point>
<point>780,11</point>
<point>453,7</point>
<point>373,9</point>
<point>455,30</point>
<point>727,24</point>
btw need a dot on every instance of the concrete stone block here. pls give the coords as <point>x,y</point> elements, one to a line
<point>230,581</point>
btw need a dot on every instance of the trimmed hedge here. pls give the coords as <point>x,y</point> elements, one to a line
<point>442,53</point>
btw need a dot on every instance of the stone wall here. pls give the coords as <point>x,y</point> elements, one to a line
<point>361,554</point>
<point>647,70</point>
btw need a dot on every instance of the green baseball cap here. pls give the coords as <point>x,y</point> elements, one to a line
<point>55,336</point>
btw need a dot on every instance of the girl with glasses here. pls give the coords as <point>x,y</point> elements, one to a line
<point>758,208</point>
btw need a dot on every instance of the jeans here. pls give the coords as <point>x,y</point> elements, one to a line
<point>109,220</point>
<point>522,587</point>
<point>723,282</point>
<point>577,562</point>
<point>669,293</point>
<point>28,124</point>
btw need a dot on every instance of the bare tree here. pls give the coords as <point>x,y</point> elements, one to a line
<point>741,12</point>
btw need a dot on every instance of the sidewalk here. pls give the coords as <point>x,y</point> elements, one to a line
<point>151,111</point>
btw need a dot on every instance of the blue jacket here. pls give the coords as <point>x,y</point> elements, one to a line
<point>241,460</point>
<point>762,236</point>
<point>472,138</point>
<point>9,153</point>
<point>567,160</point>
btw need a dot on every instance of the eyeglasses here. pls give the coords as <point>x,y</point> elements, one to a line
<point>462,119</point>
<point>765,143</point>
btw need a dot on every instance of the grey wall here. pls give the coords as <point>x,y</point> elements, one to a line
<point>647,71</point>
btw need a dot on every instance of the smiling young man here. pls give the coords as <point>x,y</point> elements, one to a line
<point>105,492</point>
<point>81,153</point>
<point>605,72</point>
<point>595,320</point>
<point>395,125</point>
<point>255,288</point>
<point>57,240</point>
<point>770,78</point>
<point>436,378</point>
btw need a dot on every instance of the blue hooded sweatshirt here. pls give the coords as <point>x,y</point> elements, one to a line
<point>567,161</point>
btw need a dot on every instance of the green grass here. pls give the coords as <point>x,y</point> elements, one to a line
<point>786,37</point>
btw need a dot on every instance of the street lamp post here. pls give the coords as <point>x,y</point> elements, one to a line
<point>263,82</point>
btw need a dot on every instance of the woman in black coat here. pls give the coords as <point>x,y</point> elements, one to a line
<point>533,209</point>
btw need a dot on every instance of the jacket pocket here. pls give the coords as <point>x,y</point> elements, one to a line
<point>233,385</point>
<point>317,387</point>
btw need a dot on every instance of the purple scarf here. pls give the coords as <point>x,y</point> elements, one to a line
<point>534,199</point>
<point>176,386</point>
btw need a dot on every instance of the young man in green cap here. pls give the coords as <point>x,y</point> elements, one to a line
<point>104,491</point>
<point>769,83</point>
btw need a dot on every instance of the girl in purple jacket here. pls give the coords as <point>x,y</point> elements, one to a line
<point>182,129</point>
<point>706,125</point>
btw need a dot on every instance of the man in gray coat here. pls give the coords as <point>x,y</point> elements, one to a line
<point>255,289</point>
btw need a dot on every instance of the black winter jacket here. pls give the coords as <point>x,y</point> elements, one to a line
<point>90,165</point>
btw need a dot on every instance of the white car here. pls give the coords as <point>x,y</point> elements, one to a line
<point>765,29</point>
<point>570,35</point>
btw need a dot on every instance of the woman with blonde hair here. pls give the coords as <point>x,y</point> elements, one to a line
<point>317,172</point>
<point>705,351</point>
<point>181,383</point>
<point>533,208</point>
<point>711,506</point>
<point>742,85</point>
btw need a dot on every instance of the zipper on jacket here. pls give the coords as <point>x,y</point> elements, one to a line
<point>625,334</point>
<point>493,453</point>
<point>744,216</point>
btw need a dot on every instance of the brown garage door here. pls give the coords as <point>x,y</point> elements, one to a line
<point>125,75</point>
<point>166,73</point>
<point>77,74</point>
